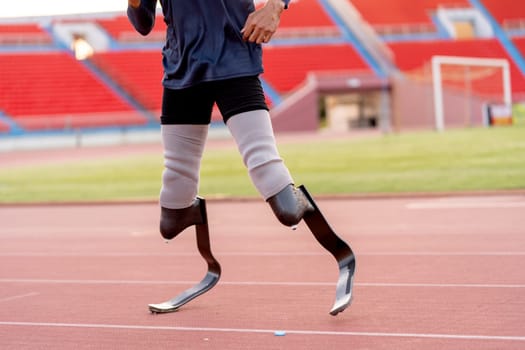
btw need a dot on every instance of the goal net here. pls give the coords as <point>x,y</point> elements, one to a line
<point>470,91</point>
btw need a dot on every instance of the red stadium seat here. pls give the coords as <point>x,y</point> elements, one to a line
<point>53,90</point>
<point>20,34</point>
<point>139,73</point>
<point>411,56</point>
<point>505,11</point>
<point>287,67</point>
<point>306,18</point>
<point>403,13</point>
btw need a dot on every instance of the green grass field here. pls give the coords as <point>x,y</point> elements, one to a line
<point>457,160</point>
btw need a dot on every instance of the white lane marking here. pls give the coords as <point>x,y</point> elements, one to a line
<point>495,253</point>
<point>262,254</point>
<point>468,203</point>
<point>268,331</point>
<point>441,285</point>
<point>14,297</point>
<point>266,283</point>
<point>125,254</point>
<point>463,205</point>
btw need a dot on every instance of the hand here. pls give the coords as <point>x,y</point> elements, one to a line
<point>134,3</point>
<point>261,24</point>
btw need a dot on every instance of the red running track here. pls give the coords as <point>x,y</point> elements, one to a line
<point>433,273</point>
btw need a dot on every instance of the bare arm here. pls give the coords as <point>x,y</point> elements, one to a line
<point>141,14</point>
<point>262,24</point>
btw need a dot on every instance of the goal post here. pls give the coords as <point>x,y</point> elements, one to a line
<point>439,78</point>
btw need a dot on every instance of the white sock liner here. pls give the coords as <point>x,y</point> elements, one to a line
<point>254,136</point>
<point>183,148</point>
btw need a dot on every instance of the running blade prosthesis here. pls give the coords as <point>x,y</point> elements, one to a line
<point>341,251</point>
<point>210,279</point>
<point>321,230</point>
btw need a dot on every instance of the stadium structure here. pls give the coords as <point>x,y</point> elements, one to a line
<point>339,64</point>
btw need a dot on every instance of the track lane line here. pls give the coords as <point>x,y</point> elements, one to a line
<point>264,283</point>
<point>267,331</point>
<point>261,254</point>
<point>20,296</point>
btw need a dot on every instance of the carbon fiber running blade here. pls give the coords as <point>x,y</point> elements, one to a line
<point>210,279</point>
<point>174,304</point>
<point>341,251</point>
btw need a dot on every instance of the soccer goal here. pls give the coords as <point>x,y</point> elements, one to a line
<point>464,86</point>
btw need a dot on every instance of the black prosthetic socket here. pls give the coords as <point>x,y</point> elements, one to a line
<point>174,221</point>
<point>290,205</point>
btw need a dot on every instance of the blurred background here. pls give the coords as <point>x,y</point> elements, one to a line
<point>336,64</point>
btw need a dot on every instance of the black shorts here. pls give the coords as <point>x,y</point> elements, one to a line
<point>193,105</point>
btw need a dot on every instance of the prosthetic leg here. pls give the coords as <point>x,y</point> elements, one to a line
<point>255,139</point>
<point>172,222</point>
<point>291,205</point>
<point>180,206</point>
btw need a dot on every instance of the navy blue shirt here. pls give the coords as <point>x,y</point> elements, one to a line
<point>203,39</point>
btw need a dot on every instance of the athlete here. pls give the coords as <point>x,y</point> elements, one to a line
<point>213,54</point>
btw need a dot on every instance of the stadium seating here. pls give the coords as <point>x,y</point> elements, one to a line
<point>20,34</point>
<point>42,88</point>
<point>52,90</point>
<point>411,56</point>
<point>505,11</point>
<point>139,73</point>
<point>306,18</point>
<point>287,67</point>
<point>412,15</point>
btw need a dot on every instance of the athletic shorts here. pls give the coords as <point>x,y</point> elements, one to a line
<point>193,105</point>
